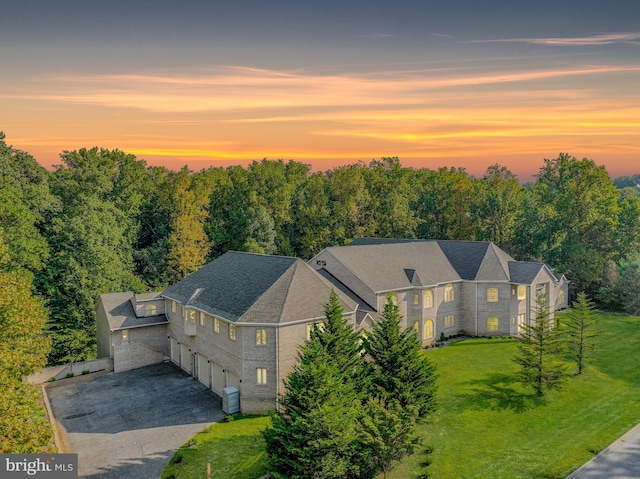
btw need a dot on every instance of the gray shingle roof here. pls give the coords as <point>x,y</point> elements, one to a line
<point>386,263</point>
<point>524,272</point>
<point>120,313</point>
<point>256,288</point>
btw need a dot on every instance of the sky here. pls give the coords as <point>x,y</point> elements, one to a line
<point>205,83</point>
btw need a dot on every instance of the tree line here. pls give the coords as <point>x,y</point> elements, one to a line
<point>104,221</point>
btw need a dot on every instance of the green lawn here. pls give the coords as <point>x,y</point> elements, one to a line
<point>489,425</point>
<point>234,449</point>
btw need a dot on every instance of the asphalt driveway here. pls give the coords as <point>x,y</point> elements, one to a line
<point>128,425</point>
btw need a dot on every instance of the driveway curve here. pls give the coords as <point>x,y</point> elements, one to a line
<point>128,425</point>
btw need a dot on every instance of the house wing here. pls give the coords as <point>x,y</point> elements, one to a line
<point>229,285</point>
<point>300,293</point>
<point>389,266</point>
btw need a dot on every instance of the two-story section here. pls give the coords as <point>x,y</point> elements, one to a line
<point>132,329</point>
<point>442,287</point>
<point>240,319</point>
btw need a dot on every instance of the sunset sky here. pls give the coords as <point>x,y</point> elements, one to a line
<point>437,83</point>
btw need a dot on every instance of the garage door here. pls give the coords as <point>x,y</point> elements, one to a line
<point>185,358</point>
<point>175,351</point>
<point>218,378</point>
<point>203,370</point>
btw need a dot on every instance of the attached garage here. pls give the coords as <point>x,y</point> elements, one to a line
<point>185,358</point>
<point>204,370</point>
<point>175,351</point>
<point>217,375</point>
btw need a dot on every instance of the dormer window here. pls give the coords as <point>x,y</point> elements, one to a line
<point>150,310</point>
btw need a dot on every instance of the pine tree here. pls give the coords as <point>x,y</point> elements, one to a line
<point>540,349</point>
<point>581,331</point>
<point>388,433</point>
<point>338,337</point>
<point>399,371</point>
<point>314,435</point>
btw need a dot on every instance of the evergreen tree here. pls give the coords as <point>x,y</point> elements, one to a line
<point>388,433</point>
<point>399,371</point>
<point>338,338</point>
<point>314,435</point>
<point>581,331</point>
<point>540,349</point>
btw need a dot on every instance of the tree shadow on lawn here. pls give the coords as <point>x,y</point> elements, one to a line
<point>500,391</point>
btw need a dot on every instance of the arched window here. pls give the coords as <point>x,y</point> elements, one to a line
<point>150,310</point>
<point>449,293</point>
<point>427,329</point>
<point>427,298</point>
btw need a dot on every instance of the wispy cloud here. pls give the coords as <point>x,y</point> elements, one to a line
<point>236,89</point>
<point>603,39</point>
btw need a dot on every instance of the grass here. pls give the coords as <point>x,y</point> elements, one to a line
<point>489,424</point>
<point>235,450</point>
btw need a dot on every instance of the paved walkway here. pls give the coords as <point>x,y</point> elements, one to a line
<point>621,460</point>
<point>128,425</point>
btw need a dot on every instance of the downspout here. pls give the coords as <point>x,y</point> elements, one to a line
<point>476,308</point>
<point>277,367</point>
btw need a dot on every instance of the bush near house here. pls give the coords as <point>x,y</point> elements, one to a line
<point>489,424</point>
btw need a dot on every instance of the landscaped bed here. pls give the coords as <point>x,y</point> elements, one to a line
<point>488,425</point>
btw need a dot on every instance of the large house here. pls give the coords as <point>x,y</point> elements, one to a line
<point>239,320</point>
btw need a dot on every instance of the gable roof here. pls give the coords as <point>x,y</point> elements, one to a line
<point>385,266</point>
<point>385,263</point>
<point>246,287</point>
<point>121,315</point>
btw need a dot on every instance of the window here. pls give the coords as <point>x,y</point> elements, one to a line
<point>394,298</point>
<point>541,292</point>
<point>449,321</point>
<point>416,298</point>
<point>427,329</point>
<point>216,325</point>
<point>416,327</point>
<point>492,323</point>
<point>261,336</point>
<point>521,319</point>
<point>173,306</point>
<point>561,297</point>
<point>232,331</point>
<point>201,318</point>
<point>150,310</point>
<point>192,316</point>
<point>310,328</point>
<point>449,293</point>
<point>125,335</point>
<point>492,295</point>
<point>427,298</point>
<point>261,375</point>
<point>522,291</point>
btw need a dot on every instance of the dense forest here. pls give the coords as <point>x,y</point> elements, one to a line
<point>104,221</point>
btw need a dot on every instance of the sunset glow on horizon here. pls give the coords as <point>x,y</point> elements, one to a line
<point>341,87</point>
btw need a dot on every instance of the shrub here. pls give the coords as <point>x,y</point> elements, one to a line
<point>69,375</point>
<point>228,418</point>
<point>51,379</point>
<point>85,371</point>
<point>442,337</point>
<point>177,459</point>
